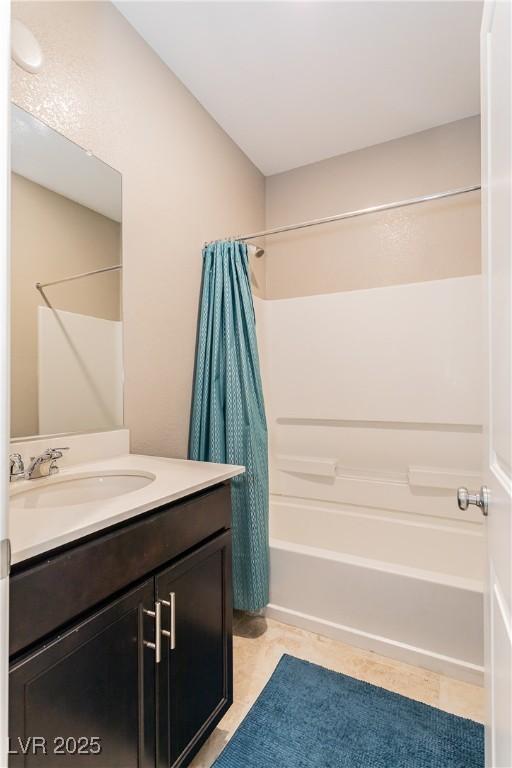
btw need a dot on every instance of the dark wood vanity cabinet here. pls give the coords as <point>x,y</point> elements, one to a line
<point>102,682</point>
<point>195,679</point>
<point>93,685</point>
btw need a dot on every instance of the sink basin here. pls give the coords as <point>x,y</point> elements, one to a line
<point>71,490</point>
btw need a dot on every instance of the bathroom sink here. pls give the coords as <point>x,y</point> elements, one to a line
<point>71,490</point>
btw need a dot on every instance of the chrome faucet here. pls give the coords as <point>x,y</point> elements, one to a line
<point>45,464</point>
<point>16,467</point>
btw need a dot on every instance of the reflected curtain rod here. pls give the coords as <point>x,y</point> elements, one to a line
<point>40,286</point>
<point>360,212</point>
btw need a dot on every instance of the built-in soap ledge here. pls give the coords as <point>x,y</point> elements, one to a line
<point>307,465</point>
<point>436,477</point>
<point>416,476</point>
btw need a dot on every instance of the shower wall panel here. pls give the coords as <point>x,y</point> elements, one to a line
<point>374,397</point>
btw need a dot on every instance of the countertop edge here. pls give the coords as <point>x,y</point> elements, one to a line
<point>97,526</point>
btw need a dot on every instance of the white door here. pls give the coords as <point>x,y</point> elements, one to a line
<point>4,367</point>
<point>496,64</point>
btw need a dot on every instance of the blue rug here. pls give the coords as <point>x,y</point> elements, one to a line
<point>310,717</point>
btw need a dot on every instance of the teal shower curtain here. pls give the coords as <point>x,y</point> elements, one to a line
<point>228,414</point>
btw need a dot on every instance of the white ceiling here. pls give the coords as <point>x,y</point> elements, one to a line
<point>296,82</point>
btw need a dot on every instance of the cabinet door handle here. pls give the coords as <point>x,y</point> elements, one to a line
<point>157,645</point>
<point>172,639</point>
<point>171,604</point>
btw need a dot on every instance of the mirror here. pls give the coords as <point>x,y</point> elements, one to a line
<point>66,267</point>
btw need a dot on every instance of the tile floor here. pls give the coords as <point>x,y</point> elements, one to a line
<point>259,643</point>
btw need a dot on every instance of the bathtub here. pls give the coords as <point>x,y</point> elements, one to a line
<point>407,586</point>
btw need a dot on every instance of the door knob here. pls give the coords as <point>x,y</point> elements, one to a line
<point>480,499</point>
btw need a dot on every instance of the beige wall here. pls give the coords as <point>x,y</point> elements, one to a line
<point>53,237</point>
<point>425,242</point>
<point>184,182</point>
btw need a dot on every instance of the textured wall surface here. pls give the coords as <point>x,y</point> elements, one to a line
<point>184,182</point>
<point>424,242</point>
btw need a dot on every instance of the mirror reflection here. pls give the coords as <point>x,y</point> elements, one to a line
<point>66,324</point>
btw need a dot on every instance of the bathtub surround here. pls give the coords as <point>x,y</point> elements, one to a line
<point>80,361</point>
<point>367,542</point>
<point>184,182</point>
<point>367,452</point>
<point>400,354</point>
<point>228,421</point>
<point>343,721</point>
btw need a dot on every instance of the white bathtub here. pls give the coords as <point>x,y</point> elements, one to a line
<point>406,586</point>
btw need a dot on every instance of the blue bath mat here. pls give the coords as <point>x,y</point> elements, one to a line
<point>310,717</point>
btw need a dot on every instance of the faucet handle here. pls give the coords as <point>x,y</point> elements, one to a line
<point>52,455</point>
<point>16,466</point>
<point>56,453</point>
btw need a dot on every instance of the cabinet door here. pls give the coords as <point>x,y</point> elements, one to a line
<point>195,685</point>
<point>95,680</point>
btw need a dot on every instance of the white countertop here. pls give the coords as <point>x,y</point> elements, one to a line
<point>34,531</point>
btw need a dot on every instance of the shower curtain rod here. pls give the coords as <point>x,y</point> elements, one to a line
<point>360,212</point>
<point>40,286</point>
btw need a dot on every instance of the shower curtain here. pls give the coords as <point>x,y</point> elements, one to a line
<point>228,414</point>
